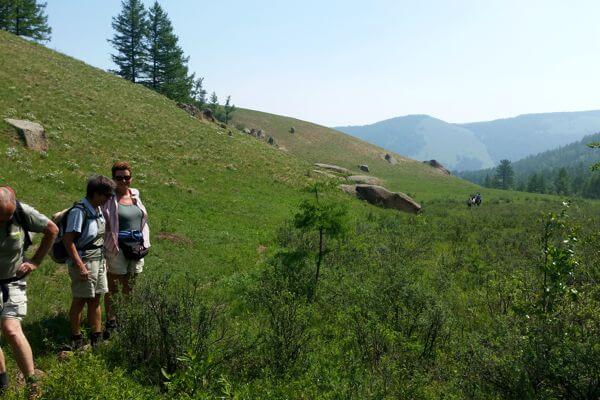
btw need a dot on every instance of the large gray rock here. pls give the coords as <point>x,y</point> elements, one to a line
<point>369,180</point>
<point>380,196</point>
<point>435,164</point>
<point>334,168</point>
<point>389,158</point>
<point>32,132</point>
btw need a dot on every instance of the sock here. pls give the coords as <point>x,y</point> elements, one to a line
<point>3,380</point>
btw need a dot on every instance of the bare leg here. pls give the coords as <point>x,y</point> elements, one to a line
<point>19,344</point>
<point>75,312</point>
<point>2,362</point>
<point>95,314</point>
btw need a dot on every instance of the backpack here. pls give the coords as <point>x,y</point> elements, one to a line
<point>58,252</point>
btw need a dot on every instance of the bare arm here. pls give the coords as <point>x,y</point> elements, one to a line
<point>68,240</point>
<point>50,232</point>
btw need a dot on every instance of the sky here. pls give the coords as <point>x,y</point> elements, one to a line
<point>348,62</point>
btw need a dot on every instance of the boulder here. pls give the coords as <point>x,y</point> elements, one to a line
<point>271,141</point>
<point>292,130</point>
<point>435,164</point>
<point>32,133</point>
<point>370,180</point>
<point>364,168</point>
<point>334,168</point>
<point>208,114</point>
<point>380,196</point>
<point>247,131</point>
<point>389,158</point>
<point>190,109</point>
<point>350,189</point>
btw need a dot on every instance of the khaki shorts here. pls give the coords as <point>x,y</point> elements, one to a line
<point>97,284</point>
<point>16,306</point>
<point>119,265</point>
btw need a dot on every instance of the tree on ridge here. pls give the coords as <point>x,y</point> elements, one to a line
<point>129,40</point>
<point>505,174</point>
<point>25,18</point>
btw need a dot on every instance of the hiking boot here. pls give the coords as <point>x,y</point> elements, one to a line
<point>76,343</point>
<point>95,339</point>
<point>109,327</point>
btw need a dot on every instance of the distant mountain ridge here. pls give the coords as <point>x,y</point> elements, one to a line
<point>477,145</point>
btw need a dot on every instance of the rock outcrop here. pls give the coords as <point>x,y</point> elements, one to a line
<point>32,133</point>
<point>380,196</point>
<point>389,158</point>
<point>435,164</point>
<point>364,167</point>
<point>369,180</point>
<point>334,168</point>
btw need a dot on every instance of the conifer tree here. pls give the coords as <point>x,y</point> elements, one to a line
<point>199,93</point>
<point>229,109</point>
<point>214,102</point>
<point>505,174</point>
<point>129,40</point>
<point>25,18</point>
<point>166,66</point>
<point>561,182</point>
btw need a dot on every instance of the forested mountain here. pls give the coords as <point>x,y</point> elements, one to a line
<point>477,145</point>
<point>565,170</point>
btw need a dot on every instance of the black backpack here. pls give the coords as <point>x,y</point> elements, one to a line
<point>58,252</point>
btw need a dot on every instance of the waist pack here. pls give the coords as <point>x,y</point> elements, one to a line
<point>131,244</point>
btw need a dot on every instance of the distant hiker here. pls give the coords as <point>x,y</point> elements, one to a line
<point>84,242</point>
<point>16,221</point>
<point>478,199</point>
<point>127,237</point>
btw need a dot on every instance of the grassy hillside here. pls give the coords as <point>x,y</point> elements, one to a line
<point>451,303</point>
<point>314,143</point>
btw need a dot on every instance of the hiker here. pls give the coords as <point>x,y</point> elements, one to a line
<point>84,242</point>
<point>127,238</point>
<point>16,221</point>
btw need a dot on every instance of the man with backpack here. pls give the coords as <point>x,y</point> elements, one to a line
<point>16,221</point>
<point>83,239</point>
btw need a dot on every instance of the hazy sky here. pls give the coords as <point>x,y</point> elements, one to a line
<point>347,62</point>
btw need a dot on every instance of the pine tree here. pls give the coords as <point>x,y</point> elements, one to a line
<point>533,183</point>
<point>166,66</point>
<point>129,40</point>
<point>229,109</point>
<point>199,93</point>
<point>25,18</point>
<point>562,183</point>
<point>214,102</point>
<point>505,174</point>
<point>488,181</point>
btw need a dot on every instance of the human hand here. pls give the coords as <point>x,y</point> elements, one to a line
<point>26,268</point>
<point>84,274</point>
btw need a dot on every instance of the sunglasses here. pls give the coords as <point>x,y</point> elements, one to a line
<point>122,178</point>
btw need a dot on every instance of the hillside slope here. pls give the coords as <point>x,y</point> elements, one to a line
<point>477,145</point>
<point>315,143</point>
<point>423,137</point>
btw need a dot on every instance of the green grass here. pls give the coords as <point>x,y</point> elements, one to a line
<point>217,201</point>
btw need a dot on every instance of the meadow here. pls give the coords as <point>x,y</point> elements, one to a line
<point>499,301</point>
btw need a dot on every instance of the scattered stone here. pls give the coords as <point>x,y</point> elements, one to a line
<point>380,196</point>
<point>230,133</point>
<point>190,109</point>
<point>389,158</point>
<point>271,141</point>
<point>292,130</point>
<point>64,355</point>
<point>223,126</point>
<point>335,168</point>
<point>369,180</point>
<point>32,133</point>
<point>350,189</point>
<point>247,131</point>
<point>208,114</point>
<point>435,164</point>
<point>364,167</point>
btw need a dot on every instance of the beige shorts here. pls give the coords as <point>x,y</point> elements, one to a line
<point>119,265</point>
<point>97,284</point>
<point>16,306</point>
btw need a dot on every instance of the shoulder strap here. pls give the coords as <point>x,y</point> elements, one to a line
<point>20,218</point>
